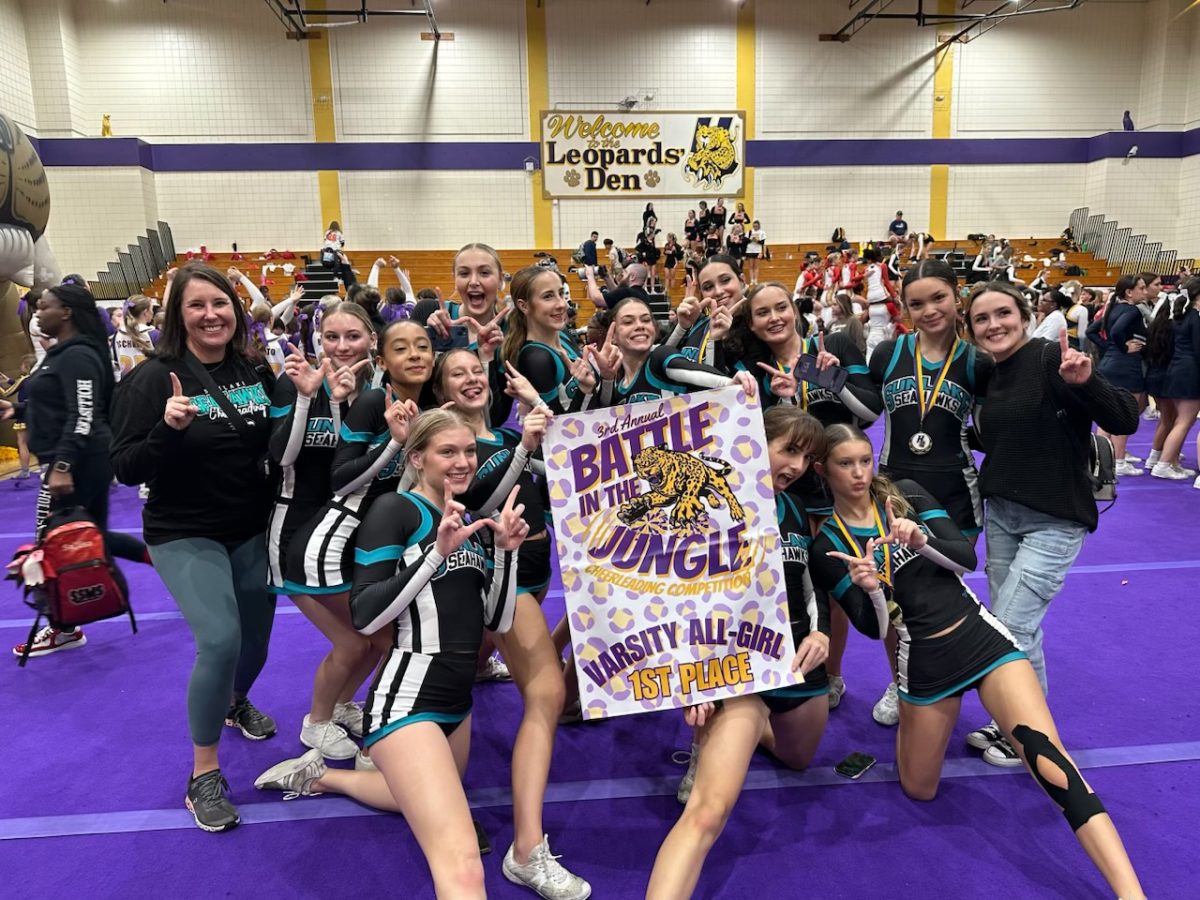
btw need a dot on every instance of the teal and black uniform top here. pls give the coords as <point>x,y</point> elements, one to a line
<point>664,373</point>
<point>923,597</point>
<point>365,450</point>
<point>503,464</point>
<point>894,373</point>
<point>306,431</point>
<point>807,610</point>
<point>549,375</point>
<point>206,481</point>
<point>501,405</point>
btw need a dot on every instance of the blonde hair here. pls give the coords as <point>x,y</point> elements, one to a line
<point>130,327</point>
<point>439,372</point>
<point>882,488</point>
<point>421,432</point>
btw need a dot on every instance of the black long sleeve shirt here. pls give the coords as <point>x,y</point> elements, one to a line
<point>1030,457</point>
<point>66,413</point>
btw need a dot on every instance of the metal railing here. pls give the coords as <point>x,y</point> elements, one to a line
<point>1109,241</point>
<point>137,266</point>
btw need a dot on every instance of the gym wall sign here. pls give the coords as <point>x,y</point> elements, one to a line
<point>650,154</point>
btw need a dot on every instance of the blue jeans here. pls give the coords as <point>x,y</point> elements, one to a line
<point>1028,556</point>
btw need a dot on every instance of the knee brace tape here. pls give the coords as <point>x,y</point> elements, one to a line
<point>1077,802</point>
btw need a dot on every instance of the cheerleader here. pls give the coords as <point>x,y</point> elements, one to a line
<point>701,322</point>
<point>307,410</point>
<point>134,340</point>
<point>424,578</point>
<point>894,559</point>
<point>538,346</point>
<point>786,722</point>
<point>1182,384</point>
<point>504,460</point>
<point>879,294</point>
<point>16,392</point>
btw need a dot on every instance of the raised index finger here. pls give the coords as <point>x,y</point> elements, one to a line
<point>820,342</point>
<point>608,336</point>
<point>176,387</point>
<point>1063,342</point>
<point>511,501</point>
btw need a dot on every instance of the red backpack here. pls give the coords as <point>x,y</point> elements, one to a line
<point>68,575</point>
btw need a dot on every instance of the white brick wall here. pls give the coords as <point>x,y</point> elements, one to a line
<point>682,52</point>
<point>874,85</point>
<point>93,211</point>
<point>1015,201</point>
<point>391,85</point>
<point>1070,73</point>
<point>257,210</point>
<point>16,93</point>
<point>801,205</point>
<point>1187,236</point>
<point>436,210</point>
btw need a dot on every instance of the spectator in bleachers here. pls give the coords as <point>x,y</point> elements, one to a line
<point>898,231</point>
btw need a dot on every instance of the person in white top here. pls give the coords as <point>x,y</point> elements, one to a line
<point>879,291</point>
<point>756,239</point>
<point>1052,309</point>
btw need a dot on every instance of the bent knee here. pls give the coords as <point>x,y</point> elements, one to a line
<point>916,789</point>
<point>707,816</point>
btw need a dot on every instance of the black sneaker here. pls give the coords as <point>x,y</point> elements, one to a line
<point>208,800</point>
<point>253,724</point>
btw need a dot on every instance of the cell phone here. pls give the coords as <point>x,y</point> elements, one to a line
<point>854,765</point>
<point>832,379</point>
<point>459,337</point>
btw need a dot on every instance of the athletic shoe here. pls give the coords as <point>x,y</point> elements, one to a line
<point>51,640</point>
<point>350,716</point>
<point>982,738</point>
<point>362,763</point>
<point>1187,473</point>
<point>887,710</point>
<point>837,687</point>
<point>691,757</point>
<point>253,724</point>
<point>493,670</point>
<point>544,875</point>
<point>143,492</point>
<point>1151,414</point>
<point>1126,468</point>
<point>1196,483</point>
<point>328,738</point>
<point>1168,471</point>
<point>294,777</point>
<point>1135,460</point>
<point>208,802</point>
<point>1002,754</point>
<point>1154,457</point>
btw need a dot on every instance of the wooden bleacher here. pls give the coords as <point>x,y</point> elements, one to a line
<point>432,268</point>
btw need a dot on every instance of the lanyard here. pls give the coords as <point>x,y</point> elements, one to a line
<point>923,406</point>
<point>885,575</point>
<point>803,384</point>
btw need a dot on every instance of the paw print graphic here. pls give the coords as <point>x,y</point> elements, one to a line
<point>571,177</point>
<point>653,178</point>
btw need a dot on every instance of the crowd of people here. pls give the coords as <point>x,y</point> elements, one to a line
<point>377,459</point>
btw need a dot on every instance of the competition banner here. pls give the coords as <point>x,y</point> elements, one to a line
<point>650,154</point>
<point>669,547</point>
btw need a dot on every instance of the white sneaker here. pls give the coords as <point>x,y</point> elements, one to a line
<point>1135,460</point>
<point>143,492</point>
<point>294,777</point>
<point>887,710</point>
<point>1151,414</point>
<point>982,738</point>
<point>837,687</point>
<point>1002,754</point>
<point>689,777</point>
<point>329,738</point>
<point>362,763</point>
<point>1168,471</point>
<point>1126,468</point>
<point>493,670</point>
<point>1196,483</point>
<point>544,875</point>
<point>1154,457</point>
<point>350,716</point>
<point>1187,473</point>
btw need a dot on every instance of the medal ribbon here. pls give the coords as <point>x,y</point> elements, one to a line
<point>922,406</point>
<point>885,574</point>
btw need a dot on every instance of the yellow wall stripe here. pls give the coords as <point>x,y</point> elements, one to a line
<point>746,97</point>
<point>943,103</point>
<point>539,99</point>
<point>320,79</point>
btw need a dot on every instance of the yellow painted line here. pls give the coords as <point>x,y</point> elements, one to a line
<point>320,80</point>
<point>943,105</point>
<point>745,80</point>
<point>539,99</point>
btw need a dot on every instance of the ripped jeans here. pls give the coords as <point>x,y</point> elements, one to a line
<point>1028,556</point>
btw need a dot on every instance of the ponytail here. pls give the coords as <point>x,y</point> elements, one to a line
<point>882,488</point>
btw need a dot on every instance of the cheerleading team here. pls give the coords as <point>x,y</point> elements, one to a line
<point>308,408</point>
<point>893,559</point>
<point>782,721</point>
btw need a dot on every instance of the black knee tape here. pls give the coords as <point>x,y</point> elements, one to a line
<point>1077,802</point>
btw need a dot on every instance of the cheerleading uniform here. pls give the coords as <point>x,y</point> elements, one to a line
<point>546,371</point>
<point>946,467</point>
<point>437,608</point>
<point>366,464</point>
<point>665,373</point>
<point>948,641</point>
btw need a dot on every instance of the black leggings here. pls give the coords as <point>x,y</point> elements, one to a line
<point>92,475</point>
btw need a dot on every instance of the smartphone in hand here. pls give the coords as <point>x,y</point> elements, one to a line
<point>832,379</point>
<point>459,337</point>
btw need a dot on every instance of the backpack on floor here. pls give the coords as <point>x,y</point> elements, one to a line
<point>68,575</point>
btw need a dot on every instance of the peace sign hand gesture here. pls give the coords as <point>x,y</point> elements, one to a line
<point>722,320</point>
<point>345,380</point>
<point>491,336</point>
<point>862,568</point>
<point>533,428</point>
<point>398,416</point>
<point>607,359</point>
<point>180,410</point>
<point>452,533</point>
<point>306,379</point>
<point>519,387</point>
<point>688,310</point>
<point>509,528</point>
<point>825,359</point>
<point>902,530</point>
<point>582,372</point>
<point>784,385</point>
<point>1076,367</point>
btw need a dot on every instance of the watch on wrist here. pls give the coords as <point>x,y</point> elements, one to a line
<point>62,466</point>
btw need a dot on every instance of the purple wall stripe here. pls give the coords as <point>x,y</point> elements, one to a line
<point>511,155</point>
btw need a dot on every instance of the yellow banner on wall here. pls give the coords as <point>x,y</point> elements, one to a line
<point>651,154</point>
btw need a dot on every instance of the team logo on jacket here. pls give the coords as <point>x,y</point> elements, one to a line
<point>713,155</point>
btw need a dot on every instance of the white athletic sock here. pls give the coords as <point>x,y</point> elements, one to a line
<point>1154,457</point>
